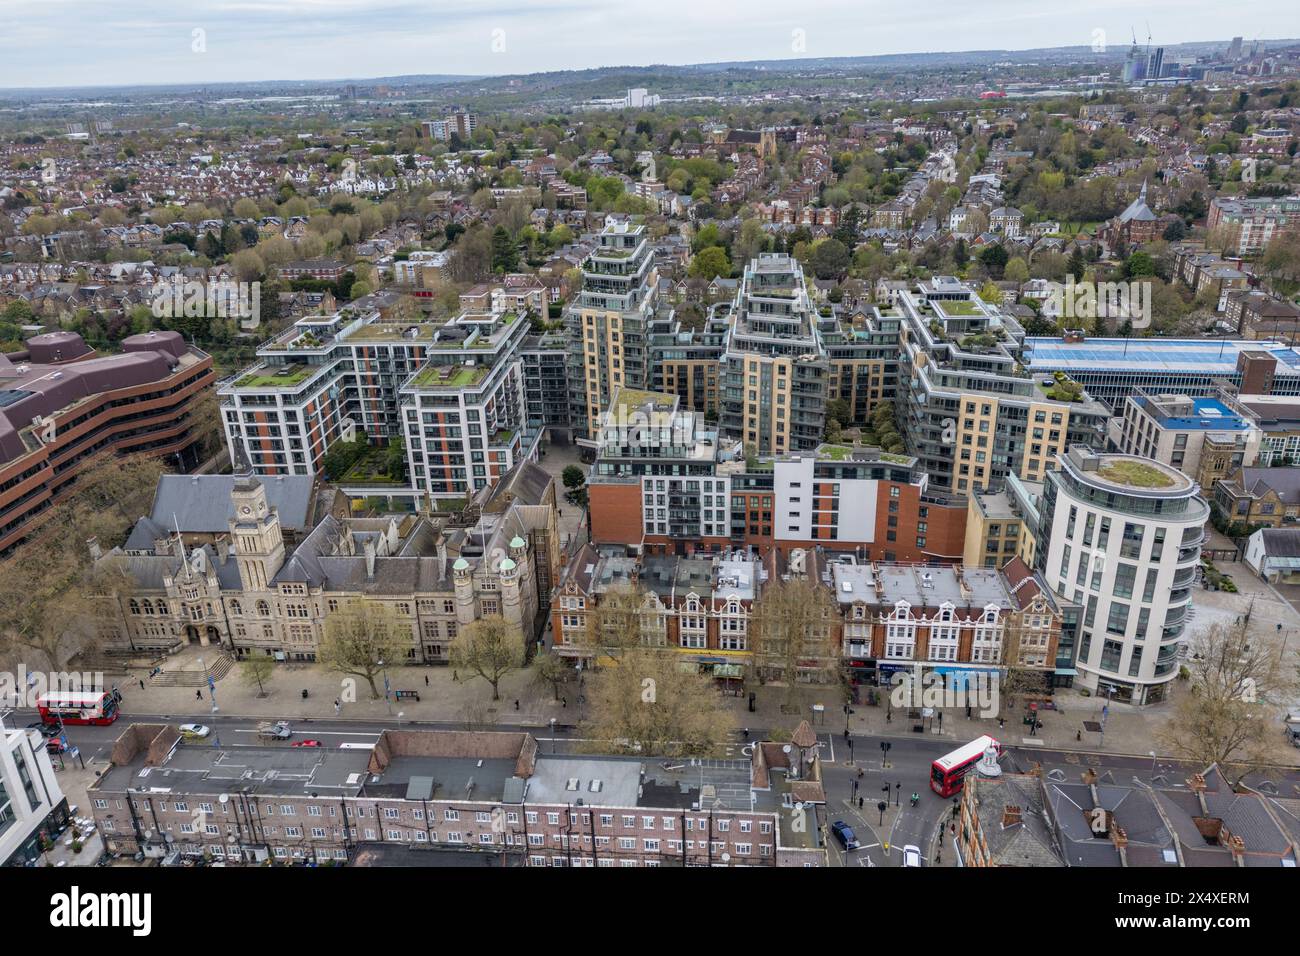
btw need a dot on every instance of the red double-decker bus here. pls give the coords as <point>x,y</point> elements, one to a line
<point>948,772</point>
<point>78,707</point>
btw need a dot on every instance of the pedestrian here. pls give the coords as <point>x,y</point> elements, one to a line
<point>1078,735</point>
<point>198,695</point>
<point>859,803</point>
<point>1001,723</point>
<point>565,701</point>
<point>861,772</point>
<point>516,704</point>
<point>142,683</point>
<point>846,734</point>
<point>426,680</point>
<point>455,676</point>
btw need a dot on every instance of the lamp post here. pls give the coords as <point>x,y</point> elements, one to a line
<point>552,735</point>
<point>387,697</point>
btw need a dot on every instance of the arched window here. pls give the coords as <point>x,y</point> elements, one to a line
<point>263,609</point>
<point>135,606</point>
<point>236,608</point>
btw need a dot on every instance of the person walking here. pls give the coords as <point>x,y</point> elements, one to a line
<point>426,680</point>
<point>142,683</point>
<point>516,704</point>
<point>337,706</point>
<point>198,695</point>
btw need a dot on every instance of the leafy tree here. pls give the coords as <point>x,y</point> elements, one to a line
<point>995,259</point>
<point>830,259</point>
<point>505,254</point>
<point>709,263</point>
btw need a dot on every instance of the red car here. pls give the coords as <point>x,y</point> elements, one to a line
<point>306,743</point>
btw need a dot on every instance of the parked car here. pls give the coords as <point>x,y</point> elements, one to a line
<point>305,743</point>
<point>47,730</point>
<point>844,833</point>
<point>194,730</point>
<point>911,855</point>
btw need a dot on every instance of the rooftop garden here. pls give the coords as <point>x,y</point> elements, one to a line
<point>1063,389</point>
<point>979,340</point>
<point>281,376</point>
<point>958,306</point>
<point>1135,474</point>
<point>450,376</point>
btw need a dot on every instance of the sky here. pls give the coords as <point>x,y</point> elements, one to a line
<point>114,42</point>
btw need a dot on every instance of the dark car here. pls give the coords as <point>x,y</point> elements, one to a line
<point>844,833</point>
<point>47,730</point>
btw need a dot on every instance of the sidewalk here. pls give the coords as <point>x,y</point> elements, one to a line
<point>467,701</point>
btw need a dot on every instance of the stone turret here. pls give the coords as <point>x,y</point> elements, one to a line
<point>510,606</point>
<point>463,578</point>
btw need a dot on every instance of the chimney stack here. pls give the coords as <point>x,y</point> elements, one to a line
<point>370,558</point>
<point>1011,816</point>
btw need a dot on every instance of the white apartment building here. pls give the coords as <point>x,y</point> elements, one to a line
<point>1121,536</point>
<point>31,800</point>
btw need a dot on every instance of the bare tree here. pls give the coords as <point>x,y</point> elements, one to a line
<point>647,703</point>
<point>794,633</point>
<point>552,671</point>
<point>361,637</point>
<point>1233,686</point>
<point>257,670</point>
<point>490,648</point>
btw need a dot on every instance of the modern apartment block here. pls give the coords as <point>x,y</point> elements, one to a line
<point>481,794</point>
<point>1121,536</point>
<point>61,405</point>
<point>32,804</point>
<point>667,481</point>
<point>546,381</point>
<point>1252,223</point>
<point>608,323</point>
<point>1111,370</point>
<point>1278,419</point>
<point>967,409</point>
<point>454,392</point>
<point>775,371</point>
<point>465,411</point>
<point>1204,438</point>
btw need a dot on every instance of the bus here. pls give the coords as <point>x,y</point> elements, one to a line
<point>947,773</point>
<point>78,707</point>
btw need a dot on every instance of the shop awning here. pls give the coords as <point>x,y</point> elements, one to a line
<point>1067,672</point>
<point>733,671</point>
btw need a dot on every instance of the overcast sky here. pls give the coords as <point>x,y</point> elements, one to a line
<point>107,42</point>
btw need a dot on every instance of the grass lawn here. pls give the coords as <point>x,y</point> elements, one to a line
<point>1135,474</point>
<point>269,379</point>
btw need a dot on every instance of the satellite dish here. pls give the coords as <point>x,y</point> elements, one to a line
<point>726,858</point>
<point>785,749</point>
<point>799,806</point>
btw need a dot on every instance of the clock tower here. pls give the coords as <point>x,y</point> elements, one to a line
<point>255,535</point>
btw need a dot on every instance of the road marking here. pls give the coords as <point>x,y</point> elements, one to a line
<point>322,733</point>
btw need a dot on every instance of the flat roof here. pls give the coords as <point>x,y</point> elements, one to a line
<point>1196,356</point>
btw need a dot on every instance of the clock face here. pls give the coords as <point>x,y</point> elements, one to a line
<point>247,510</point>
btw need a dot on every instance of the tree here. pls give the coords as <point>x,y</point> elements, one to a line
<point>995,259</point>
<point>552,671</point>
<point>505,254</point>
<point>709,263</point>
<point>575,479</point>
<point>830,259</point>
<point>794,640</point>
<point>1232,683</point>
<point>647,703</point>
<point>490,648</point>
<point>257,670</point>
<point>1139,264</point>
<point>1016,270</point>
<point>53,599</point>
<point>361,637</point>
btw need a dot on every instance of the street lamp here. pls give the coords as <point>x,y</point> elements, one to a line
<point>387,697</point>
<point>1152,754</point>
<point>552,735</point>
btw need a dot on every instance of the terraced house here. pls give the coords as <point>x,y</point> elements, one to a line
<point>489,795</point>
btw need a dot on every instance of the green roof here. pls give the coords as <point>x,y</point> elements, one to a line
<point>269,377</point>
<point>460,377</point>
<point>1136,474</point>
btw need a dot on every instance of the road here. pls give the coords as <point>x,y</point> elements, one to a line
<point>907,771</point>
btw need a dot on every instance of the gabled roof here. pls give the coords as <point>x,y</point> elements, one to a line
<point>201,504</point>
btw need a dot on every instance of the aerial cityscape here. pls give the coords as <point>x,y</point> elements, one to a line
<point>793,451</point>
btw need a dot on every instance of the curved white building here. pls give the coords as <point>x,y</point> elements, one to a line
<point>1121,537</point>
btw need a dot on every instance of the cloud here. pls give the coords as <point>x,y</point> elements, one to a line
<point>93,42</point>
